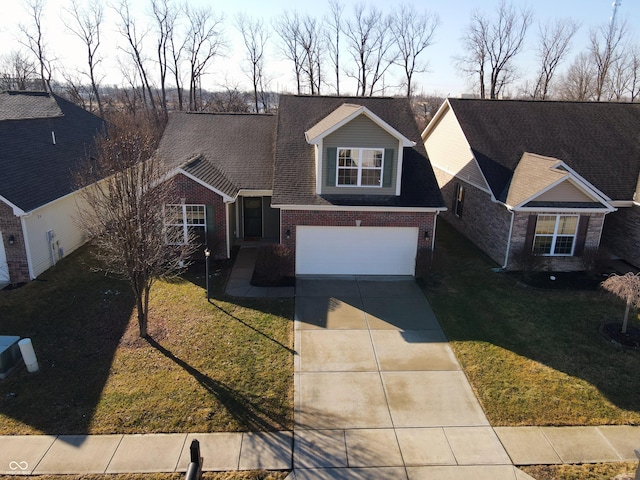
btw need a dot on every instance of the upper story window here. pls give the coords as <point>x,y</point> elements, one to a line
<point>555,235</point>
<point>183,222</point>
<point>360,167</point>
<point>458,201</point>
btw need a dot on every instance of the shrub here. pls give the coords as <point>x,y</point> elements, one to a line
<point>273,265</point>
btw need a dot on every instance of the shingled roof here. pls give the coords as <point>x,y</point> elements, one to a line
<point>600,141</point>
<point>33,169</point>
<point>295,181</point>
<point>228,151</point>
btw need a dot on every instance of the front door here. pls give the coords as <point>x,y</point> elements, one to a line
<point>253,217</point>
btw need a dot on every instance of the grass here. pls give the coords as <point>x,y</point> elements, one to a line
<point>226,365</point>
<point>598,471</point>
<point>533,357</point>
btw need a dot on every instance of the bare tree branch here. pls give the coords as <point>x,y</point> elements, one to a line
<point>34,41</point>
<point>255,37</point>
<point>334,24</point>
<point>606,44</point>
<point>288,27</point>
<point>626,287</point>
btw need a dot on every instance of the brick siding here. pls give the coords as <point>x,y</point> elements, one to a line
<point>194,193</point>
<point>10,225</point>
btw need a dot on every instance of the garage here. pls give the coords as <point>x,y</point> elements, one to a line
<point>356,250</point>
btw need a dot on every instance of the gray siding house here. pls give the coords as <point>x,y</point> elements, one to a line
<point>343,182</point>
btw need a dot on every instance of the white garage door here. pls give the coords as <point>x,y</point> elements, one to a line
<point>356,250</point>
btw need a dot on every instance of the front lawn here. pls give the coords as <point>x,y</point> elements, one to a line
<point>226,365</point>
<point>534,357</point>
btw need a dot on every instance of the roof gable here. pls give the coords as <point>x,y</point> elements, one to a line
<point>598,140</point>
<point>344,114</point>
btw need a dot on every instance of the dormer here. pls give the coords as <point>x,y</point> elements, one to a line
<point>357,153</point>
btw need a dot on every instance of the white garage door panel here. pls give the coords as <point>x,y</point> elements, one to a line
<point>356,250</point>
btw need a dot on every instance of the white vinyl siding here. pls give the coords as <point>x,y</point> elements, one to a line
<point>449,150</point>
<point>356,250</point>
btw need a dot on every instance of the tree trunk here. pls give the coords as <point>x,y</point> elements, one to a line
<point>142,317</point>
<point>626,317</point>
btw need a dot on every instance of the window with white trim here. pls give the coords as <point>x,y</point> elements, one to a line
<point>555,235</point>
<point>458,201</point>
<point>360,167</point>
<point>183,222</point>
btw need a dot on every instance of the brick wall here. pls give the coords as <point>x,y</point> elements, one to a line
<point>10,225</point>
<point>621,235</point>
<point>291,218</point>
<point>195,193</point>
<point>566,264</point>
<point>484,222</point>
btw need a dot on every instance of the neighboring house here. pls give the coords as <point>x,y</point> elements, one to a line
<point>540,180</point>
<point>42,139</point>
<point>343,182</point>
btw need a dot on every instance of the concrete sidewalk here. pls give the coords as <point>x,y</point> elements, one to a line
<point>85,454</point>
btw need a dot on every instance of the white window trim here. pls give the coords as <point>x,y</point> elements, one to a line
<point>185,226</point>
<point>459,202</point>
<point>555,236</point>
<point>360,167</point>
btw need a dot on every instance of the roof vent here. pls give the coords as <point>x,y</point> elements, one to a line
<point>53,137</point>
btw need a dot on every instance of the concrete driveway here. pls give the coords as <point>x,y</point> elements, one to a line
<point>378,391</point>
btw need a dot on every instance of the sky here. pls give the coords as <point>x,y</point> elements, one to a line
<point>442,77</point>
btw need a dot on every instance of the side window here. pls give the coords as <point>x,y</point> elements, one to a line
<point>458,200</point>
<point>184,222</point>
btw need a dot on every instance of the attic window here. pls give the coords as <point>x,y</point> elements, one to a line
<point>359,167</point>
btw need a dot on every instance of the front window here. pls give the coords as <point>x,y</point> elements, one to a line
<point>458,200</point>
<point>184,222</point>
<point>555,234</point>
<point>360,167</point>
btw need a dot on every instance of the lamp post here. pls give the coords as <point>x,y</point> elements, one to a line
<point>207,254</point>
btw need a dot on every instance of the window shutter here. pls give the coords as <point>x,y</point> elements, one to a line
<point>581,237</point>
<point>531,232</point>
<point>211,218</point>
<point>332,154</point>
<point>387,174</point>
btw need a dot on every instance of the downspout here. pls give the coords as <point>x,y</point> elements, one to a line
<point>506,256</point>
<point>228,233</point>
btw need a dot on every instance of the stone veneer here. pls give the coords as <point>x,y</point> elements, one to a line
<point>194,193</point>
<point>10,225</point>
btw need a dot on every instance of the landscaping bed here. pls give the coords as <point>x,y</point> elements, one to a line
<point>223,365</point>
<point>533,356</point>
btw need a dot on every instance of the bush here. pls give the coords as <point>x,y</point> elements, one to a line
<point>273,266</point>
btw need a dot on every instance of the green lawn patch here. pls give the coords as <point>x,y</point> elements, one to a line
<point>533,356</point>
<point>222,365</point>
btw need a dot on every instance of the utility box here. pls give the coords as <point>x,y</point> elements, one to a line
<point>9,354</point>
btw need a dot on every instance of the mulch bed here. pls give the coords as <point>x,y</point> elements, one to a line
<point>613,333</point>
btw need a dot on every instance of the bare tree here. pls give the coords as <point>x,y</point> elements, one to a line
<point>606,43</point>
<point>634,66</point>
<point>122,209</point>
<point>619,79</point>
<point>127,28</point>
<point>204,41</point>
<point>578,82</point>
<point>164,16</point>
<point>311,39</point>
<point>255,37</point>
<point>494,44</point>
<point>413,33</point>
<point>86,26</point>
<point>334,24</point>
<point>554,45</point>
<point>371,47</point>
<point>288,28</point>
<point>627,287</point>
<point>34,41</point>
<point>17,72</point>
